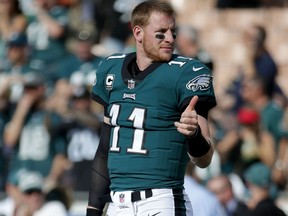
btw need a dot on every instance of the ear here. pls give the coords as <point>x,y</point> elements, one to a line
<point>138,33</point>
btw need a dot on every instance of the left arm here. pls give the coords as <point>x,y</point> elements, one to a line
<point>204,160</point>
<point>195,128</point>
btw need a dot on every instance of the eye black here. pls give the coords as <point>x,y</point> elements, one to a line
<point>160,36</point>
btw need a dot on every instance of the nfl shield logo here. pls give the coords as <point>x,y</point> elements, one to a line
<point>131,84</point>
<point>121,198</point>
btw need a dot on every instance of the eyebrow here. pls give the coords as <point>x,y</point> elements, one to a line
<point>166,29</point>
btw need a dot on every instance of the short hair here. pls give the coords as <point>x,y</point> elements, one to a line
<point>189,31</point>
<point>261,34</point>
<point>142,12</point>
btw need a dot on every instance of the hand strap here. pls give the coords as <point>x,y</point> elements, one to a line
<point>197,145</point>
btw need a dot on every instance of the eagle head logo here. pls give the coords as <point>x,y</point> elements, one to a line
<point>201,82</point>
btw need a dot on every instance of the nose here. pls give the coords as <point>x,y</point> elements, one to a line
<point>170,36</point>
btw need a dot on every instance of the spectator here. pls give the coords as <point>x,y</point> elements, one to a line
<point>221,186</point>
<point>18,63</point>
<point>11,89</point>
<point>34,201</point>
<point>247,144</point>
<point>188,44</point>
<point>259,62</point>
<point>79,67</point>
<point>258,177</point>
<point>46,36</point>
<point>205,203</point>
<point>280,168</point>
<point>10,202</point>
<point>81,128</point>
<point>271,113</point>
<point>262,59</point>
<point>11,21</point>
<point>31,134</point>
<point>114,26</point>
<point>82,18</point>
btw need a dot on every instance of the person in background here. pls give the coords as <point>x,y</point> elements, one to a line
<point>82,130</point>
<point>32,136</point>
<point>34,200</point>
<point>46,34</point>
<point>280,168</point>
<point>261,186</point>
<point>18,64</point>
<point>188,44</point>
<point>221,186</point>
<point>11,88</point>
<point>255,94</point>
<point>80,65</point>
<point>204,203</point>
<point>81,15</point>
<point>261,57</point>
<point>246,144</point>
<point>259,63</point>
<point>12,20</point>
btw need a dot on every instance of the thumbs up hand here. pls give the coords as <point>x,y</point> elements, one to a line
<point>188,123</point>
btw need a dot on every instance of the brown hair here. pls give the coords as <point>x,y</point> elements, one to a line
<point>143,11</point>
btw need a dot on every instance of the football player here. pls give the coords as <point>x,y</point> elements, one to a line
<point>156,109</point>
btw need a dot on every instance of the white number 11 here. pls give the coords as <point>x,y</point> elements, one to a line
<point>137,117</point>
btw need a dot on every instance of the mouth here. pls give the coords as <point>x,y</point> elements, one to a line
<point>167,49</point>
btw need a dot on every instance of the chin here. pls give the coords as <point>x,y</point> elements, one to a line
<point>166,57</point>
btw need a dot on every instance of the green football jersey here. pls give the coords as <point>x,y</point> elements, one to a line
<point>146,150</point>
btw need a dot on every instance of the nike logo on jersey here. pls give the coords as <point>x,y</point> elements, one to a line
<point>201,82</point>
<point>196,68</point>
<point>154,214</point>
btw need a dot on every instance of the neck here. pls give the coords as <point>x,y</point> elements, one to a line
<point>261,102</point>
<point>142,60</point>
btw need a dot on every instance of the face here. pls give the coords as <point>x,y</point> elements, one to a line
<point>16,54</point>
<point>221,190</point>
<point>249,91</point>
<point>83,49</point>
<point>5,6</point>
<point>185,45</point>
<point>158,37</point>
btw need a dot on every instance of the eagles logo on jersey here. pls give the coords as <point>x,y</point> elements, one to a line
<point>201,82</point>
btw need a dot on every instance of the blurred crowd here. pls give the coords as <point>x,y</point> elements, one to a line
<point>49,126</point>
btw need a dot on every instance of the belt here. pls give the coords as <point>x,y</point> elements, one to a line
<point>145,194</point>
<point>136,195</point>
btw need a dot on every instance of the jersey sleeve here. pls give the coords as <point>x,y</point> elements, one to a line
<point>196,79</point>
<point>99,93</point>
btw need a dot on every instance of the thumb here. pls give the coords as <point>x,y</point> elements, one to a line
<point>192,104</point>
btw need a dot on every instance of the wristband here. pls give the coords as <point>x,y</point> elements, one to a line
<point>197,145</point>
<point>93,212</point>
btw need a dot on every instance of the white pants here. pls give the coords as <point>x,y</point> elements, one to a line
<point>163,202</point>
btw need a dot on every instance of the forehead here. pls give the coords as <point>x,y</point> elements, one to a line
<point>161,21</point>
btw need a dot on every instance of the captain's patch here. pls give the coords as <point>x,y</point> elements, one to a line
<point>109,81</point>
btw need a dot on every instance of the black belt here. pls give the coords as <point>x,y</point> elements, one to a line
<point>136,195</point>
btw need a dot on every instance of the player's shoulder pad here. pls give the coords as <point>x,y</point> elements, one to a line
<point>116,56</point>
<point>189,64</point>
<point>111,60</point>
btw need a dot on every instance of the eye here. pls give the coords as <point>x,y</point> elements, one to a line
<point>160,36</point>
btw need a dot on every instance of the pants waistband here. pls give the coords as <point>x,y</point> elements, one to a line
<point>145,194</point>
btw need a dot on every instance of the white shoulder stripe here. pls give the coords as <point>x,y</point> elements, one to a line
<point>116,56</point>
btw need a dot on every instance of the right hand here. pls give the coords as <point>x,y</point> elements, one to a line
<point>188,123</point>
